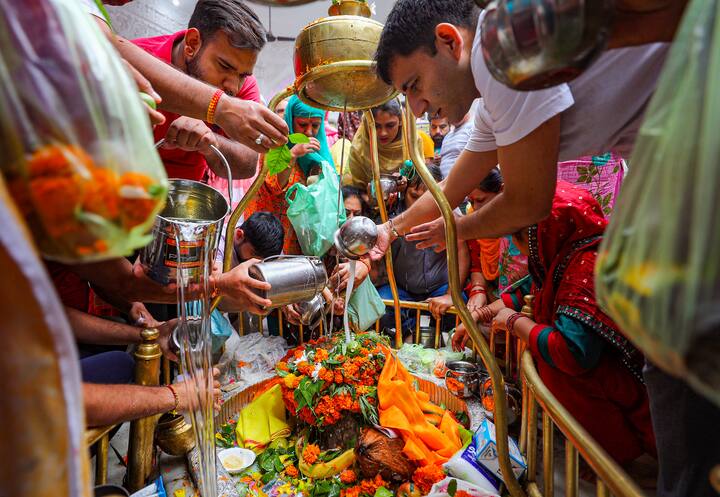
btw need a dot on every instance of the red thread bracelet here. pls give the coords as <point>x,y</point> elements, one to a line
<point>212,106</point>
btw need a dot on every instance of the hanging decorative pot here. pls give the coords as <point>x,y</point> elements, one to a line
<point>334,66</point>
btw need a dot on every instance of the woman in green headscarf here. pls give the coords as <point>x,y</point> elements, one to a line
<point>305,162</point>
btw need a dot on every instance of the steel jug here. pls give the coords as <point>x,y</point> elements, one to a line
<point>356,237</point>
<point>292,278</point>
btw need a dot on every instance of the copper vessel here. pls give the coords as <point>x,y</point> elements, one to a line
<point>174,436</point>
<point>334,66</point>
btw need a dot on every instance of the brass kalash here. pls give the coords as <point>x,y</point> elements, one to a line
<point>334,71</point>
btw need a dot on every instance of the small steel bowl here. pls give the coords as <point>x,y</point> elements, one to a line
<point>462,378</point>
<point>356,237</point>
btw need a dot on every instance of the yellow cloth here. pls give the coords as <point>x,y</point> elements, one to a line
<point>336,151</point>
<point>262,421</point>
<point>428,145</point>
<point>359,165</point>
<point>408,411</point>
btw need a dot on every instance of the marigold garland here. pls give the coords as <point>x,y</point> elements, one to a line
<point>427,476</point>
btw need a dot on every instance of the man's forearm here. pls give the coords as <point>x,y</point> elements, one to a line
<point>242,160</point>
<point>98,331</point>
<point>181,94</point>
<point>112,404</point>
<point>501,216</point>
<point>116,276</point>
<point>467,173</point>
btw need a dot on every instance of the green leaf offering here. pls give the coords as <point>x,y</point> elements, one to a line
<point>384,492</point>
<point>452,488</point>
<point>278,159</point>
<point>298,138</point>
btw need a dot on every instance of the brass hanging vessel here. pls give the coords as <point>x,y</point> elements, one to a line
<point>334,68</point>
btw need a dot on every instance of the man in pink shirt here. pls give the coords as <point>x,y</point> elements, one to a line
<point>220,47</point>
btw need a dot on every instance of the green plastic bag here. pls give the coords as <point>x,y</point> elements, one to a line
<point>658,270</point>
<point>315,212</point>
<point>365,306</point>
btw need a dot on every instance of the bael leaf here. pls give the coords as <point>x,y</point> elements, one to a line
<point>278,159</point>
<point>383,492</point>
<point>452,488</point>
<point>298,138</point>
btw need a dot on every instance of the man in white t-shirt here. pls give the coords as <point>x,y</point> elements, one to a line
<point>455,141</point>
<point>430,50</point>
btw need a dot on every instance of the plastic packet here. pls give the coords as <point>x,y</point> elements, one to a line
<point>79,157</point>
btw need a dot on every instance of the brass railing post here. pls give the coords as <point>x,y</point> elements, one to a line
<point>375,160</point>
<point>242,205</point>
<point>498,383</point>
<point>142,431</point>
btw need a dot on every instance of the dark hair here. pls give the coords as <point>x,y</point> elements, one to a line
<point>233,17</point>
<point>265,233</point>
<point>410,26</point>
<point>493,182</point>
<point>435,171</point>
<point>353,191</point>
<point>392,107</point>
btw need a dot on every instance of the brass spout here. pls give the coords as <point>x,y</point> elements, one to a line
<point>498,383</point>
<point>142,431</point>
<point>235,216</point>
<point>370,121</point>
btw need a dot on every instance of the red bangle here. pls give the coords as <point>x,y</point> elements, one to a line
<point>212,106</point>
<point>476,292</point>
<point>367,264</point>
<point>510,323</point>
<point>175,395</point>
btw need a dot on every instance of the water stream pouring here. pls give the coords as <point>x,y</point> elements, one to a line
<point>292,278</point>
<point>356,237</point>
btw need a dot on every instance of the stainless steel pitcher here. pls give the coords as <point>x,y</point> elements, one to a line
<point>200,210</point>
<point>292,278</point>
<point>356,237</point>
<point>534,44</point>
<point>312,311</point>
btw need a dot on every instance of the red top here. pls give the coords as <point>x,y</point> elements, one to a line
<point>71,288</point>
<point>180,163</point>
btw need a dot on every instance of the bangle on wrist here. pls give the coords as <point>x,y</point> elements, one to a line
<point>510,323</point>
<point>366,262</point>
<point>394,231</point>
<point>212,106</point>
<point>175,396</point>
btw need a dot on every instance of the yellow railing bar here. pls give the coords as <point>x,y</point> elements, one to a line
<point>375,161</point>
<point>612,476</point>
<point>455,285</point>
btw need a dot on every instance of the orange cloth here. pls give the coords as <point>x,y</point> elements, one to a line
<point>428,145</point>
<point>408,411</point>
<point>271,198</point>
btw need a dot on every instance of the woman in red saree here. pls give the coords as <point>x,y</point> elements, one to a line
<point>581,355</point>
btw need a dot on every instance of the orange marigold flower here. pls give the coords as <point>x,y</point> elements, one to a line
<point>282,366</point>
<point>427,476</point>
<point>338,377</point>
<point>369,487</point>
<point>326,375</point>
<point>291,381</point>
<point>310,453</point>
<point>298,353</point>
<point>350,492</point>
<point>348,476</point>
<point>321,355</point>
<point>306,415</point>
<point>291,471</point>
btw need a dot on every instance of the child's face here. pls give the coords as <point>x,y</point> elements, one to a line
<point>244,249</point>
<point>413,193</point>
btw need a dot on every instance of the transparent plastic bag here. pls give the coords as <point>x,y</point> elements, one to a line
<point>658,270</point>
<point>78,154</point>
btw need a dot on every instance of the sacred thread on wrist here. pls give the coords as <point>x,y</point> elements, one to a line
<point>175,396</point>
<point>212,106</point>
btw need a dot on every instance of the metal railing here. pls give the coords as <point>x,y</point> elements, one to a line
<point>611,479</point>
